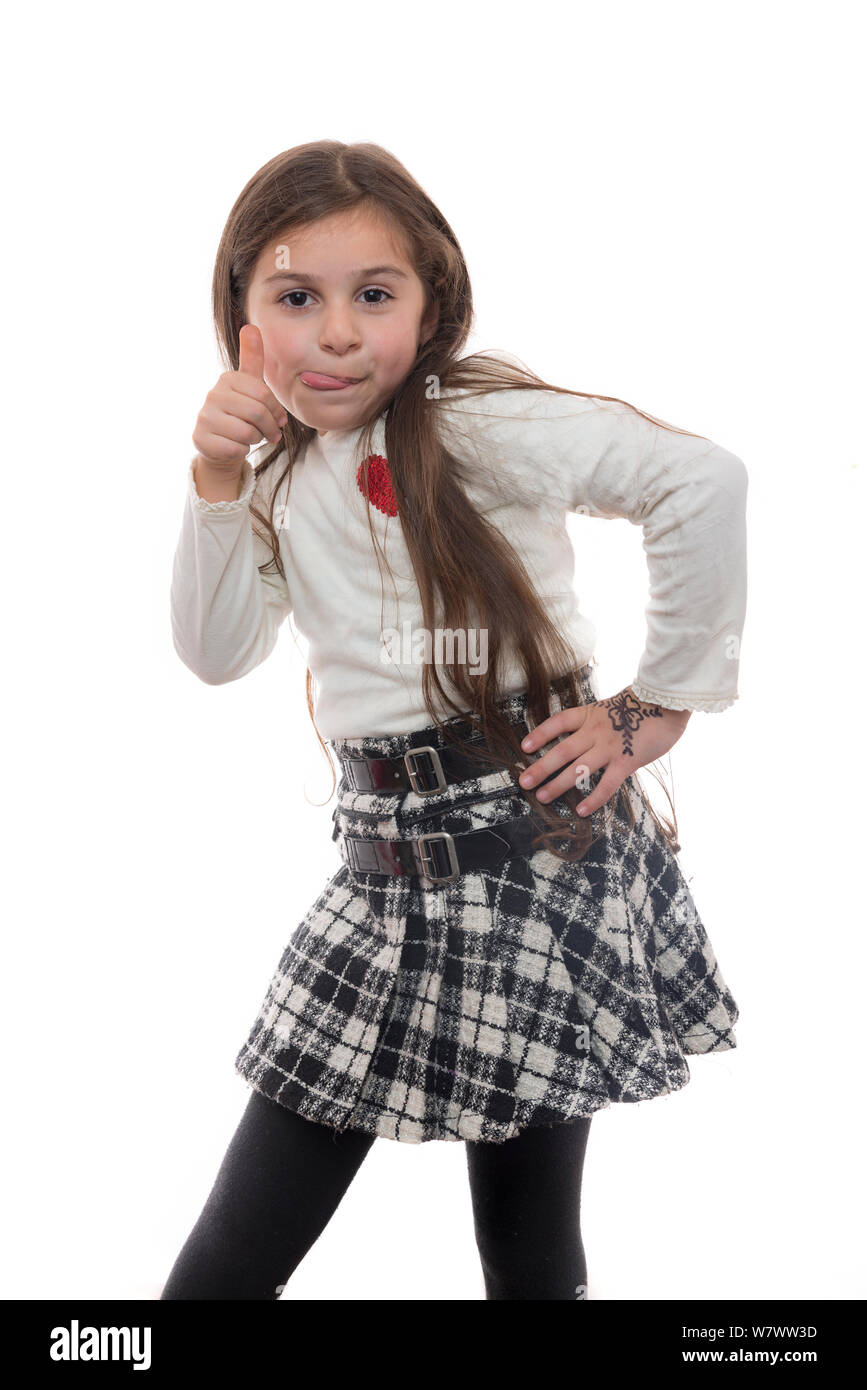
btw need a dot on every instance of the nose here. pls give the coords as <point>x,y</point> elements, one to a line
<point>339,332</point>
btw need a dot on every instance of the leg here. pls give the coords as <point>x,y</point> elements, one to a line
<point>526,1195</point>
<point>280,1182</point>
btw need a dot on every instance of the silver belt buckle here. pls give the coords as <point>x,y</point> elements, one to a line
<point>413,775</point>
<point>426,856</point>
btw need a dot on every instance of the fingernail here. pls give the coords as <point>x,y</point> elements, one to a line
<point>584,810</point>
<point>527,744</point>
<point>525,780</point>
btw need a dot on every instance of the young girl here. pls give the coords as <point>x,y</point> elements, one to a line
<point>509,944</point>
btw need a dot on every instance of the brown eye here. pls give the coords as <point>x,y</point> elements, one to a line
<point>288,294</point>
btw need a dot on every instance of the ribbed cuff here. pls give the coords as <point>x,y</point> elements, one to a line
<point>706,704</point>
<point>231,506</point>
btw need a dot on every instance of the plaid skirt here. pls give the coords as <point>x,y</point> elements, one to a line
<point>523,995</point>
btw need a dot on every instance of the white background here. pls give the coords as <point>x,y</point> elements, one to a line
<point>657,202</point>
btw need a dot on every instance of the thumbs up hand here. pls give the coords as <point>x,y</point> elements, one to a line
<point>239,410</point>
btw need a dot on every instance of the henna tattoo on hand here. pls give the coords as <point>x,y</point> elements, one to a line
<point>626,712</point>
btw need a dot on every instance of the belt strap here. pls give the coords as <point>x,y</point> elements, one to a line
<point>424,770</point>
<point>440,857</point>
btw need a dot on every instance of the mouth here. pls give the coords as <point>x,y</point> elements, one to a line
<point>318,381</point>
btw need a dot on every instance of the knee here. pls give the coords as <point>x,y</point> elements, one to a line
<point>520,1264</point>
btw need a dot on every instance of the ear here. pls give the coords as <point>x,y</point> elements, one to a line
<point>429,324</point>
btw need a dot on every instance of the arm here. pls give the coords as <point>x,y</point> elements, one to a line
<point>225,615</point>
<point>688,494</point>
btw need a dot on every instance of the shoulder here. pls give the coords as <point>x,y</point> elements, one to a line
<point>520,401</point>
<point>515,420</point>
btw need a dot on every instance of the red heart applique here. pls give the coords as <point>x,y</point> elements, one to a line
<point>379,482</point>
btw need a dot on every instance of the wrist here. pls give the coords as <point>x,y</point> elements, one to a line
<point>683,714</point>
<point>217,482</point>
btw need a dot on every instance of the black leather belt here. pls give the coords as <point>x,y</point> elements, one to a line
<point>424,770</point>
<point>440,857</point>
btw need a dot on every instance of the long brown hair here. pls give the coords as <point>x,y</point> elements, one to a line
<point>440,524</point>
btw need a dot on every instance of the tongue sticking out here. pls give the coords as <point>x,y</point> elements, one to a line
<point>324,383</point>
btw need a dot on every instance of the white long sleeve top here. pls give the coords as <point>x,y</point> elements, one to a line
<point>531,457</point>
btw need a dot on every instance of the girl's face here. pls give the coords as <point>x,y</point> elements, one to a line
<point>338,300</point>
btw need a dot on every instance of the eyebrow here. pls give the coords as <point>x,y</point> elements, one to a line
<point>354,274</point>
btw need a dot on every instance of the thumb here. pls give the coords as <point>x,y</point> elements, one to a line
<point>252,355</point>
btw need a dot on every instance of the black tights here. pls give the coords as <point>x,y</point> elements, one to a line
<point>283,1177</point>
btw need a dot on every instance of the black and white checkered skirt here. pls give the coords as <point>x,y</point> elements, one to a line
<point>523,995</point>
